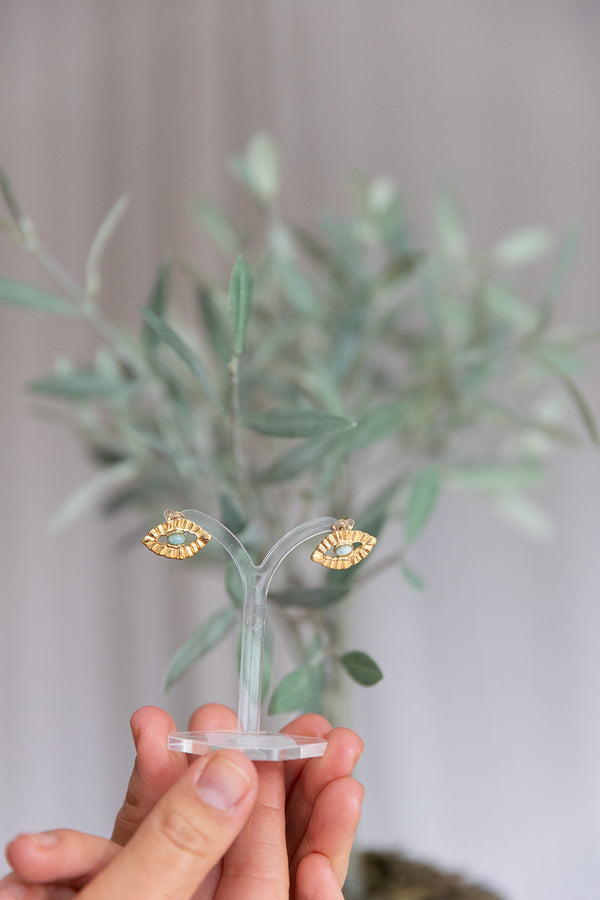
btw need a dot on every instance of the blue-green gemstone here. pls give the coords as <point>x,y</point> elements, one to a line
<point>177,538</point>
<point>343,549</point>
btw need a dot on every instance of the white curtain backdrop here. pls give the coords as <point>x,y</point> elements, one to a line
<point>483,741</point>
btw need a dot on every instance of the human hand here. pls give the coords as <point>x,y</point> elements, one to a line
<point>172,851</point>
<point>315,801</point>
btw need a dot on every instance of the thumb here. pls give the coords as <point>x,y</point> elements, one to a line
<point>185,835</point>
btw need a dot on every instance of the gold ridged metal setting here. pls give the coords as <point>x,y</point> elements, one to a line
<point>341,541</point>
<point>176,537</point>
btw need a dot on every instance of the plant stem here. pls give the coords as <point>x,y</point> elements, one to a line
<point>60,275</point>
<point>394,559</point>
<point>52,266</point>
<point>237,443</point>
<point>128,357</point>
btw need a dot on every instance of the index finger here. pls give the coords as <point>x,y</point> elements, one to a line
<point>155,769</point>
<point>311,725</point>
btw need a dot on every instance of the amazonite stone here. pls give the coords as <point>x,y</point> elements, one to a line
<point>177,538</point>
<point>343,550</point>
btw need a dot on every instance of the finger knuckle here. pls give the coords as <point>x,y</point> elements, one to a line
<point>132,796</point>
<point>183,833</point>
<point>128,818</point>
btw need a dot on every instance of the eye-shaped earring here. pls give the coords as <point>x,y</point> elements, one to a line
<point>337,550</point>
<point>177,537</point>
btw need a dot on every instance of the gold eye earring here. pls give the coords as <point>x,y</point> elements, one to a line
<point>177,537</point>
<point>337,550</point>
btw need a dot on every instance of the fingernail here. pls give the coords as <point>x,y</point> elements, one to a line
<point>13,892</point>
<point>222,784</point>
<point>44,839</point>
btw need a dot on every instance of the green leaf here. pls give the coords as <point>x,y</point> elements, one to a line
<point>217,225</point>
<point>451,230</point>
<point>343,578</point>
<point>294,691</point>
<point>203,639</point>
<point>361,667</point>
<point>581,404</point>
<point>81,386</point>
<point>382,196</point>
<point>501,301</point>
<point>399,268</point>
<point>315,248</point>
<point>157,303</point>
<point>585,410</point>
<point>375,514</point>
<point>547,427</point>
<point>215,323</point>
<point>99,244</point>
<point>185,353</point>
<point>311,598</point>
<point>91,493</point>
<point>258,168</point>
<point>232,516</point>
<point>412,577</point>
<point>11,230</point>
<point>233,585</point>
<point>7,191</point>
<point>295,423</point>
<point>422,499</point>
<point>564,354</point>
<point>527,516</point>
<point>297,289</point>
<point>297,461</point>
<point>378,423</point>
<point>522,247</point>
<point>496,477</point>
<point>563,266</point>
<point>240,299</point>
<point>281,245</point>
<point>329,472</point>
<point>16,293</point>
<point>138,494</point>
<point>374,523</point>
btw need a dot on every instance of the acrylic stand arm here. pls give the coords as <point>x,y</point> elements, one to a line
<point>256,581</point>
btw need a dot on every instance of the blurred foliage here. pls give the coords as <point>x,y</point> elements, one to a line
<point>393,876</point>
<point>345,370</point>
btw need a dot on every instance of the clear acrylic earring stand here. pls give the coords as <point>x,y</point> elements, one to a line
<point>256,580</point>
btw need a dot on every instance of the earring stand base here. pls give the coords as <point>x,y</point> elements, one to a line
<point>262,746</point>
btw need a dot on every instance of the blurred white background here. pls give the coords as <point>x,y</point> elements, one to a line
<point>483,741</point>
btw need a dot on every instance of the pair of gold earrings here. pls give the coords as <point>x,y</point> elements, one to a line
<point>180,538</point>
